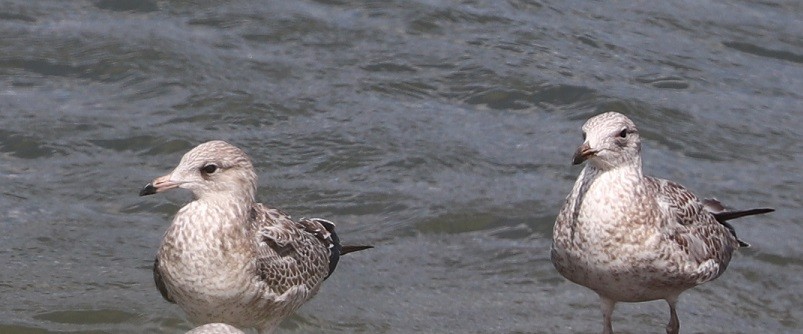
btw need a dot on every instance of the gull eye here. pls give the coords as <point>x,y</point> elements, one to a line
<point>209,169</point>
<point>623,134</point>
<point>584,136</point>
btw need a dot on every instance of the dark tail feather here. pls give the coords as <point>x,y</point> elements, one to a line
<point>728,215</point>
<point>723,216</point>
<point>336,250</point>
<point>349,249</point>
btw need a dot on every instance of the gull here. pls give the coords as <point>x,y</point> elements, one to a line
<point>634,238</point>
<point>229,259</point>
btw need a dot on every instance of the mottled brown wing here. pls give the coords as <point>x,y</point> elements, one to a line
<point>693,228</point>
<point>684,207</point>
<point>324,230</point>
<point>288,253</point>
<point>723,214</point>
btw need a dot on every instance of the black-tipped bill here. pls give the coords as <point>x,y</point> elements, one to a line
<point>582,154</point>
<point>158,185</point>
<point>148,190</point>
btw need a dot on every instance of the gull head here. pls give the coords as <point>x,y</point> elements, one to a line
<point>210,169</point>
<point>610,140</point>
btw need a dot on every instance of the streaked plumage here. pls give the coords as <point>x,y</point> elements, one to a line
<point>634,238</point>
<point>226,258</point>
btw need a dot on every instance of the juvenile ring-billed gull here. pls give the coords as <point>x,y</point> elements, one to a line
<point>228,259</point>
<point>635,238</point>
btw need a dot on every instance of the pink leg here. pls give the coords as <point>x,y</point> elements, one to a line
<point>607,306</point>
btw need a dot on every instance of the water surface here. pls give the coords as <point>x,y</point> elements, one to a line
<point>439,131</point>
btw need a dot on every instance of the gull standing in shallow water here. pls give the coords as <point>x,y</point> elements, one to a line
<point>635,238</point>
<point>228,259</point>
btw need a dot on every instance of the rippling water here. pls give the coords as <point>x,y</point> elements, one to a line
<point>439,131</point>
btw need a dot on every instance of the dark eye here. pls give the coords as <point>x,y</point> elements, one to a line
<point>209,169</point>
<point>623,134</point>
<point>584,136</point>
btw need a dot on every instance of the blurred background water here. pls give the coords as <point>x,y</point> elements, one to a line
<point>439,131</point>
